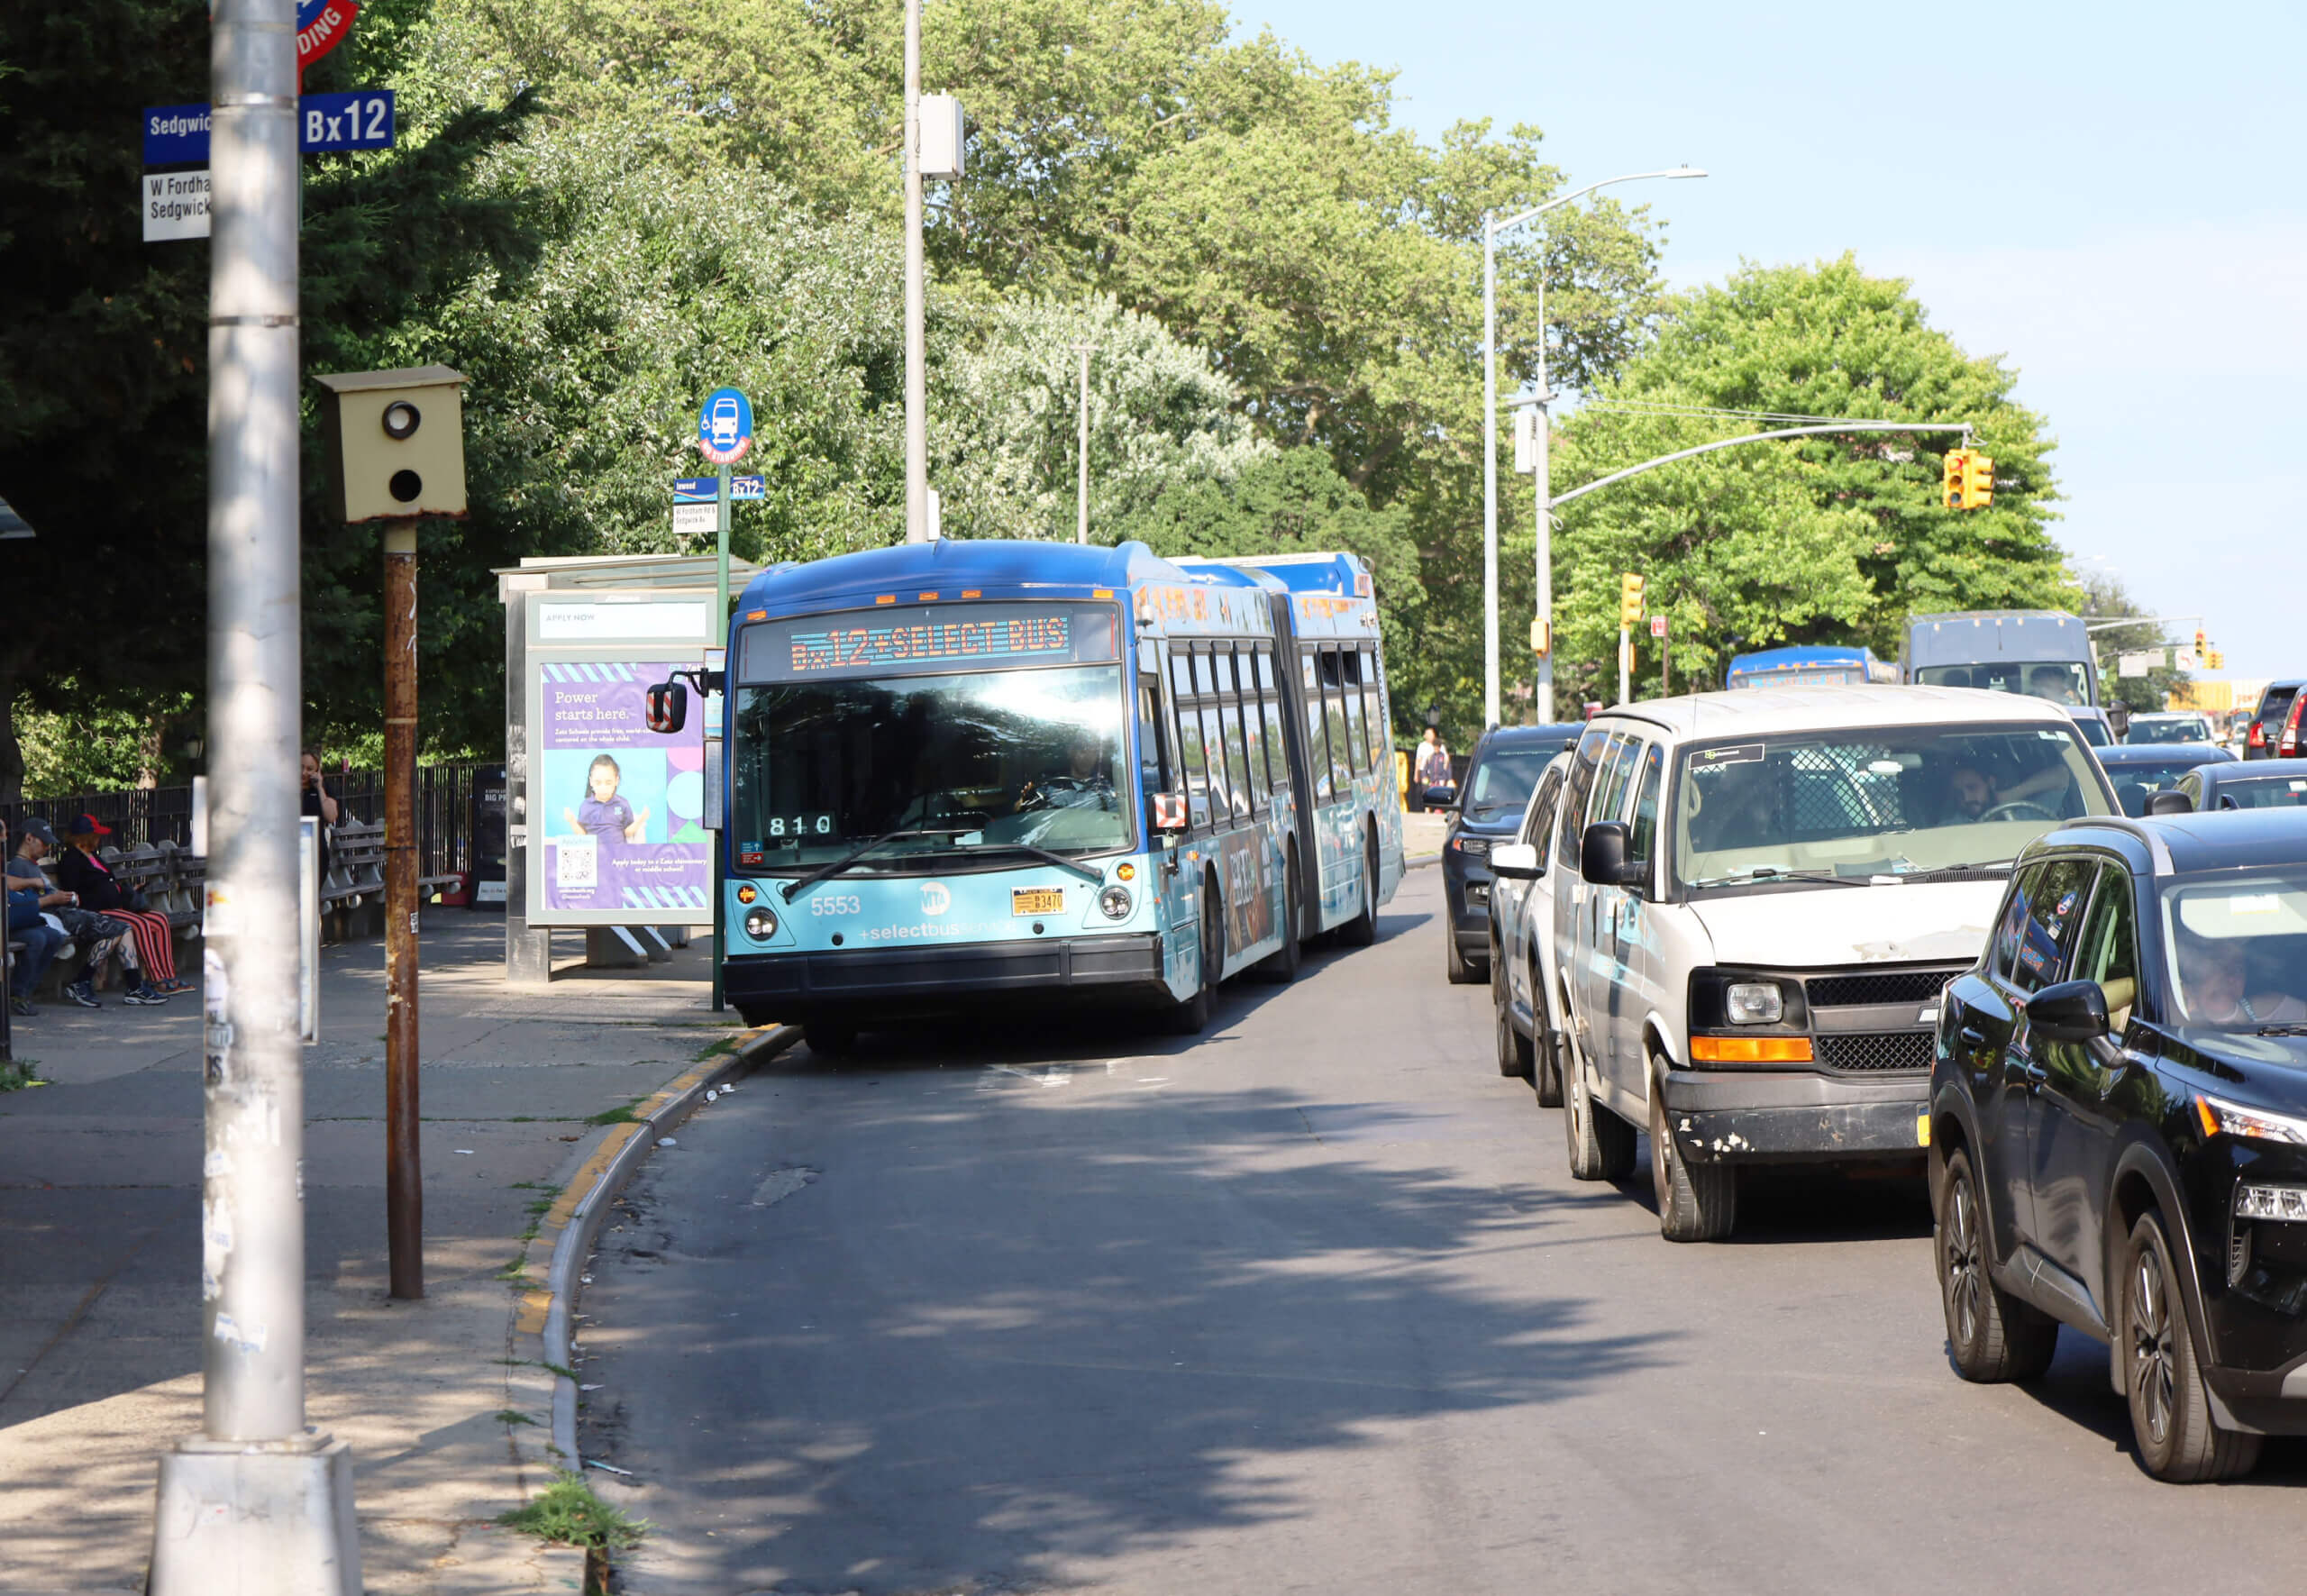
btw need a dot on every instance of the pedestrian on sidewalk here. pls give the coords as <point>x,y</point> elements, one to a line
<point>316,802</point>
<point>1433,763</point>
<point>100,934</point>
<point>81,870</point>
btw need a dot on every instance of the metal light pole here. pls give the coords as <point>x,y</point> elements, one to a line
<point>255,1502</point>
<point>917,298</point>
<point>404,1161</point>
<point>1081,488</point>
<point>1490,229</point>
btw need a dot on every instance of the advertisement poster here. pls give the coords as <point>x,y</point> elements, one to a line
<point>620,807</point>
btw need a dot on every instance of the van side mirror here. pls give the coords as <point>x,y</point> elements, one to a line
<point>666,705</point>
<point>1516,862</point>
<point>2170,802</point>
<point>1601,856</point>
<point>2069,1011</point>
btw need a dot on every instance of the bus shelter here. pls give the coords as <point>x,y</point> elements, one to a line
<point>608,824</point>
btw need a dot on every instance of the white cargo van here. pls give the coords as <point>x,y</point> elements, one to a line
<point>1757,900</point>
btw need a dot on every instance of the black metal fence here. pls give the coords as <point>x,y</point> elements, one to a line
<point>445,815</point>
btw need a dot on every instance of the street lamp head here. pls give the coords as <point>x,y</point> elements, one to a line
<point>1687,171</point>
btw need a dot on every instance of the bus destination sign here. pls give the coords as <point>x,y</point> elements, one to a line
<point>930,638</point>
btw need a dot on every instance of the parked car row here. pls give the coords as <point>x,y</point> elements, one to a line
<point>1931,928</point>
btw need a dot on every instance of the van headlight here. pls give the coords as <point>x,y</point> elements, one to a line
<point>1754,1003</point>
<point>761,925</point>
<point>1117,903</point>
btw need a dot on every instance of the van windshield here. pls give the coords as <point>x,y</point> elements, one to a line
<point>1894,802</point>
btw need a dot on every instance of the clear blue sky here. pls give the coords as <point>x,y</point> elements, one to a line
<point>2109,196</point>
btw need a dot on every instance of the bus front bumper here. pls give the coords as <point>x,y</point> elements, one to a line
<point>893,980</point>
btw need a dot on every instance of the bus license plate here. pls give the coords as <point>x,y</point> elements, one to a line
<point>1036,901</point>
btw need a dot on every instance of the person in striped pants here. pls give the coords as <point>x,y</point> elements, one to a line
<point>80,871</point>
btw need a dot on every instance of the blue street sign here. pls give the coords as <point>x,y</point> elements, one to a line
<point>706,490</point>
<point>725,426</point>
<point>177,135</point>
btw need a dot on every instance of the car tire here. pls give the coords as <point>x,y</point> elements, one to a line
<point>1696,1202</point>
<point>1602,1145</point>
<point>1545,1056</point>
<point>1361,930</point>
<point>1281,966</point>
<point>830,1039</point>
<point>1515,1055</point>
<point>1991,1337</point>
<point>2170,1408</point>
<point>1456,965</point>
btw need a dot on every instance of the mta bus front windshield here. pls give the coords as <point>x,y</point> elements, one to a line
<point>959,762</point>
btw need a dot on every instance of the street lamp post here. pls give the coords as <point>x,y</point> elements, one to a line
<point>1081,479</point>
<point>917,297</point>
<point>1491,228</point>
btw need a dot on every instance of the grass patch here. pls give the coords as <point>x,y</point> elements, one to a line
<point>568,1514</point>
<point>18,1075</point>
<point>515,1271</point>
<point>545,1186</point>
<point>715,1049</point>
<point>512,1416</point>
<point>621,1114</point>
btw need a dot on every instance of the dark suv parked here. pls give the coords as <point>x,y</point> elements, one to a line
<point>2118,1128</point>
<point>1505,769</point>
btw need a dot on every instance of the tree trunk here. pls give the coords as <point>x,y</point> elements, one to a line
<point>12,753</point>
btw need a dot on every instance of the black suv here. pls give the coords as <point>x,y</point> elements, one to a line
<point>2275,724</point>
<point>1505,769</point>
<point>2118,1128</point>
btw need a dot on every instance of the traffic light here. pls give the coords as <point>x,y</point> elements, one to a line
<point>1978,480</point>
<point>1950,480</point>
<point>2202,639</point>
<point>2214,659</point>
<point>1630,600</point>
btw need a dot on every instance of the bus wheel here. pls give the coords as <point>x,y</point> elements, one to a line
<point>1361,930</point>
<point>1281,965</point>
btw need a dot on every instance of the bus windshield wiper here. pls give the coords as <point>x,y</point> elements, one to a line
<point>1094,877</point>
<point>827,871</point>
<point>1771,872</point>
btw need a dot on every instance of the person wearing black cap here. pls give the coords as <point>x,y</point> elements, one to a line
<point>81,871</point>
<point>104,933</point>
<point>42,941</point>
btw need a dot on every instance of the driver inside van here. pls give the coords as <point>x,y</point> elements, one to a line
<point>1974,794</point>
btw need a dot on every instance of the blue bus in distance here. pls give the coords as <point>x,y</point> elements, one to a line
<point>1809,667</point>
<point>964,771</point>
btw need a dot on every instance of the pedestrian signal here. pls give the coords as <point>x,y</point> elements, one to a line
<point>1952,478</point>
<point>1629,599</point>
<point>1978,480</point>
<point>1541,636</point>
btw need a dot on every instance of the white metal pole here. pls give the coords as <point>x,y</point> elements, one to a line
<point>1490,690</point>
<point>1625,653</point>
<point>255,1502</point>
<point>917,297</point>
<point>1542,485</point>
<point>1081,490</point>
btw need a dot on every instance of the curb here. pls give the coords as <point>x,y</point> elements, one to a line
<point>542,1323</point>
<point>1421,862</point>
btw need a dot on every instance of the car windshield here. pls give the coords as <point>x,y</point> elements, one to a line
<point>1889,802</point>
<point>2136,780</point>
<point>1504,778</point>
<point>2061,681</point>
<point>2167,728</point>
<point>2260,792</point>
<point>2237,949</point>
<point>977,759</point>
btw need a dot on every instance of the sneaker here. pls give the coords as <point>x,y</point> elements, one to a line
<point>21,1008</point>
<point>144,997</point>
<point>84,993</point>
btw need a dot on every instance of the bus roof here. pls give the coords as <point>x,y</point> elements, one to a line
<point>991,567</point>
<point>1972,637</point>
<point>1786,659</point>
<point>1298,573</point>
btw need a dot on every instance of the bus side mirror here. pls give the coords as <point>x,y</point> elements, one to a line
<point>667,707</point>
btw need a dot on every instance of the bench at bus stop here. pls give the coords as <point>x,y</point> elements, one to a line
<point>170,879</point>
<point>352,897</point>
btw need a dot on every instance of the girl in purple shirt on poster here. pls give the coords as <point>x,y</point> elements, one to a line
<point>603,814</point>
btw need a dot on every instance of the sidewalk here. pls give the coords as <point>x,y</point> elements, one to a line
<point>100,1254</point>
<point>1422,833</point>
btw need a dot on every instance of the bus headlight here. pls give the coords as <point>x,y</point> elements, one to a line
<point>1116,902</point>
<point>761,925</point>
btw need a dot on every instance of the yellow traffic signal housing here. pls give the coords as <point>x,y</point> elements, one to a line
<point>1541,637</point>
<point>1978,480</point>
<point>1951,477</point>
<point>1629,599</point>
<point>2214,659</point>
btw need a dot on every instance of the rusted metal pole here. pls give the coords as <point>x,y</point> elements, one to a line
<point>403,1164</point>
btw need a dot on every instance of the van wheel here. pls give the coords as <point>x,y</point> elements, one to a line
<point>1361,930</point>
<point>2170,1411</point>
<point>1991,1335</point>
<point>1602,1145</point>
<point>1696,1202</point>
<point>1281,966</point>
<point>1546,1058</point>
<point>1515,1055</point>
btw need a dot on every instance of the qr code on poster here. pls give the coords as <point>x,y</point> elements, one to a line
<point>576,863</point>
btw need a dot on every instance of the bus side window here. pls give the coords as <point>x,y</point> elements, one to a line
<point>1237,747</point>
<point>1334,712</point>
<point>1152,744</point>
<point>1189,750</point>
<point>1318,747</point>
<point>1277,749</point>
<point>1357,735</point>
<point>1373,710</point>
<point>1254,733</point>
<point>1213,744</point>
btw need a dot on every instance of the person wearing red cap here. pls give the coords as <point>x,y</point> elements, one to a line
<point>82,871</point>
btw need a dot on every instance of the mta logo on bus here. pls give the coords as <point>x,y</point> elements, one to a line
<point>935,899</point>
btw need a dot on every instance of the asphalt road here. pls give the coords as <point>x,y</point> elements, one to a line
<point>1312,1304</point>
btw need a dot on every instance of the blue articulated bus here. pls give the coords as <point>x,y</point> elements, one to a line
<point>961,772</point>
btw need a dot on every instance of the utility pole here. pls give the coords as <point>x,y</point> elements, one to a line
<point>1490,687</point>
<point>1543,490</point>
<point>255,1502</point>
<point>1081,488</point>
<point>403,1159</point>
<point>721,632</point>
<point>917,298</point>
